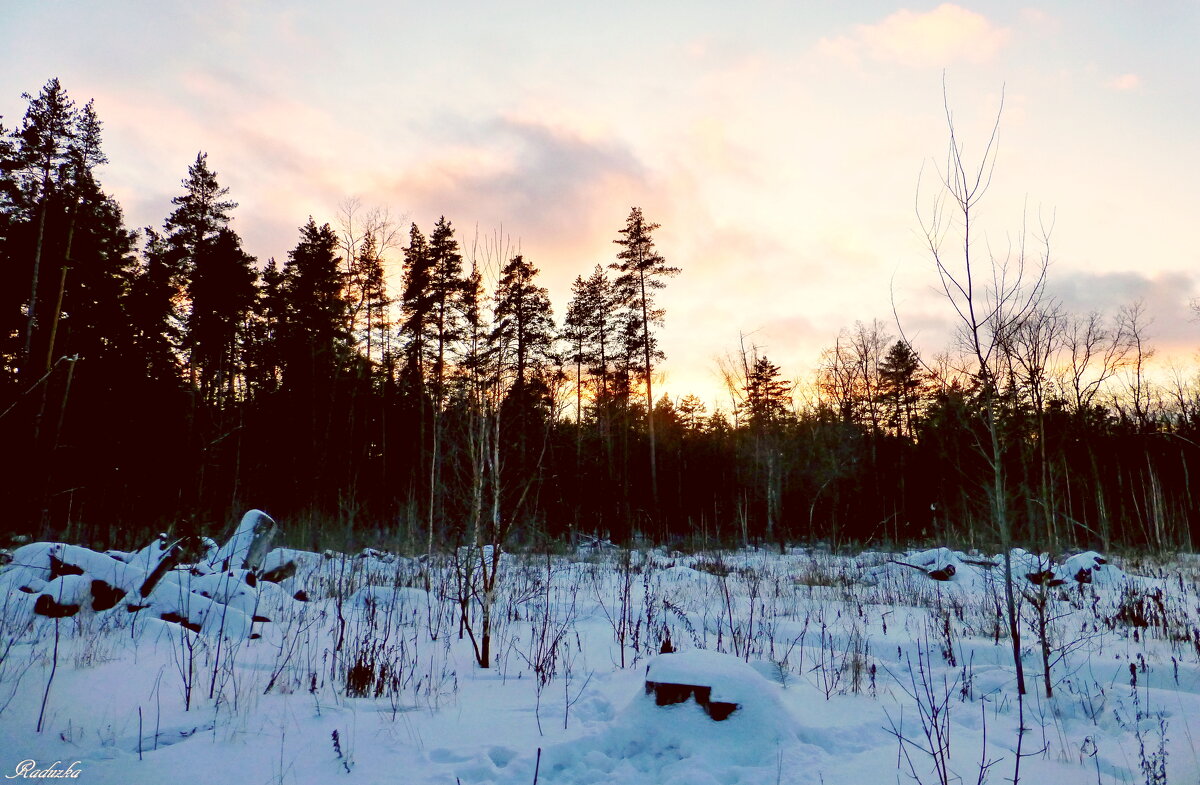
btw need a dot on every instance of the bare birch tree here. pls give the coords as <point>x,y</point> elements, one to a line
<point>991,295</point>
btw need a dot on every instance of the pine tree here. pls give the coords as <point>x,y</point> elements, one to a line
<point>446,285</point>
<point>691,413</point>
<point>95,324</point>
<point>62,242</point>
<point>41,165</point>
<point>48,190</point>
<point>200,213</point>
<point>592,324</point>
<point>416,309</point>
<point>86,151</point>
<point>192,230</point>
<point>82,195</point>
<point>642,271</point>
<point>364,237</point>
<point>263,337</point>
<point>478,353</point>
<point>155,307</point>
<point>11,283</point>
<point>8,182</point>
<point>445,289</point>
<point>577,334</point>
<point>595,309</point>
<point>222,293</point>
<point>524,333</point>
<point>373,302</point>
<point>314,354</point>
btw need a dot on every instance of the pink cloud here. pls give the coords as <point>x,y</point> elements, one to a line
<point>546,182</point>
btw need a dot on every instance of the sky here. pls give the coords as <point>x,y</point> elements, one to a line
<point>788,149</point>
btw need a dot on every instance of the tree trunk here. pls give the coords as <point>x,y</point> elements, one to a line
<point>37,264</point>
<point>649,391</point>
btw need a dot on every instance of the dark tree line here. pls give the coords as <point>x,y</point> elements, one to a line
<point>164,377</point>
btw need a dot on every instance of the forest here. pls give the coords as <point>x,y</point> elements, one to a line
<point>161,378</point>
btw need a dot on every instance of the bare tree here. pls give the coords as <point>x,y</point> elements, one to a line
<point>868,343</point>
<point>489,369</point>
<point>365,237</point>
<point>837,380</point>
<point>1094,352</point>
<point>1137,403</point>
<point>1032,348</point>
<point>991,294</point>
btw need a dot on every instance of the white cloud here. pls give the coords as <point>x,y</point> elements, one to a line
<point>1036,17</point>
<point>1124,82</point>
<point>945,35</point>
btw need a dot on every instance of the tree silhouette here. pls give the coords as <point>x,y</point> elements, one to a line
<point>642,270</point>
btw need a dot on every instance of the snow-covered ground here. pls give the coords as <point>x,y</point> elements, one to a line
<point>357,668</point>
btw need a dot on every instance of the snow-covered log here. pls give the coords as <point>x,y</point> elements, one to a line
<point>181,581</point>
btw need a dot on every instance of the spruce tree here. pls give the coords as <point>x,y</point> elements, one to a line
<point>766,394</point>
<point>315,320</point>
<point>524,321</point>
<point>900,378</point>
<point>765,406</point>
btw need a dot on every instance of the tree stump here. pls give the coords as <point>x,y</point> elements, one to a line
<point>666,694</point>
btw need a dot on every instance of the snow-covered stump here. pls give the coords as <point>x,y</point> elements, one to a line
<point>719,683</point>
<point>248,545</point>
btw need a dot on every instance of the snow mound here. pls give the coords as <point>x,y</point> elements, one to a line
<point>680,743</point>
<point>976,572</point>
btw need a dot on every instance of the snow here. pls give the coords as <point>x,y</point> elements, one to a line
<point>681,743</point>
<point>817,650</point>
<point>69,590</point>
<point>32,562</point>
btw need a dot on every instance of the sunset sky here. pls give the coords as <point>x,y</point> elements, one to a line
<point>778,144</point>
